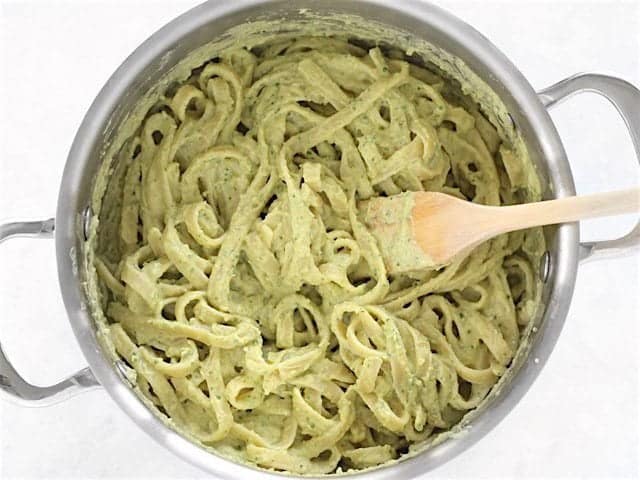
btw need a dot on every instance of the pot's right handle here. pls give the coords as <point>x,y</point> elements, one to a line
<point>626,98</point>
<point>12,384</point>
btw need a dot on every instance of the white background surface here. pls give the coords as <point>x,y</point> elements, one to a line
<point>580,419</point>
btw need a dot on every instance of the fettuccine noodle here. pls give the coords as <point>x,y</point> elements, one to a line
<point>251,301</point>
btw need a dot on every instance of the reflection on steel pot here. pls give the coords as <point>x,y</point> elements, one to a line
<point>465,50</point>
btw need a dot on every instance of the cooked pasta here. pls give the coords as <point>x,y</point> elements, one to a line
<point>249,299</point>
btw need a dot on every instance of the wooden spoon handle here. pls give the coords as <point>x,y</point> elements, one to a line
<point>568,209</point>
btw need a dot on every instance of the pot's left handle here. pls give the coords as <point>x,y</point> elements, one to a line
<point>12,385</point>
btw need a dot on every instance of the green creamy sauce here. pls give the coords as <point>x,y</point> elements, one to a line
<point>394,234</point>
<point>228,266</point>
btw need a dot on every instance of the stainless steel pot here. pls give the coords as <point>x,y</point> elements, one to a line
<point>528,111</point>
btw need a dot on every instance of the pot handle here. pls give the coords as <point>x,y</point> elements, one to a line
<point>626,98</point>
<point>12,385</point>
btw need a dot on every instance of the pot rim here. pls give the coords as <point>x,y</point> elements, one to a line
<point>68,243</point>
